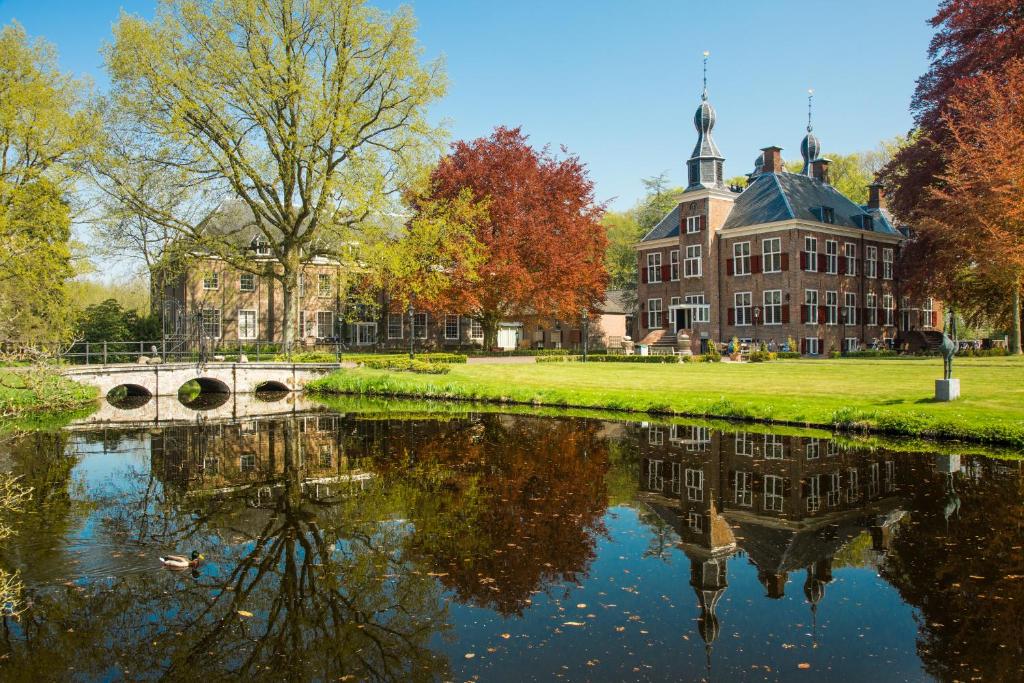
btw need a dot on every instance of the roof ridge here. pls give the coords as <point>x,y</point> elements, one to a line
<point>782,191</point>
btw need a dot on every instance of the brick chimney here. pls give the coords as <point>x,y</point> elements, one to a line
<point>876,196</point>
<point>772,157</point>
<point>819,169</point>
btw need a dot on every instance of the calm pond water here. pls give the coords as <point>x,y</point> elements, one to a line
<point>376,545</point>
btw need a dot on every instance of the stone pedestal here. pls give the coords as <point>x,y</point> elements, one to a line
<point>947,389</point>
<point>683,344</point>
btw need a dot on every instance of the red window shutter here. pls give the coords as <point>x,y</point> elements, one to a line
<point>755,263</point>
<point>728,266</point>
<point>732,315</point>
<point>803,346</point>
<point>703,222</point>
<point>803,313</point>
<point>785,313</point>
<point>803,260</point>
<point>785,261</point>
<point>822,262</point>
<point>665,272</point>
<point>821,347</point>
<point>935,319</point>
<point>821,314</point>
<point>643,274</point>
<point>842,265</point>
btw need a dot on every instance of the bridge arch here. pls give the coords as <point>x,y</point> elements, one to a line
<point>209,385</point>
<point>271,385</point>
<point>129,390</point>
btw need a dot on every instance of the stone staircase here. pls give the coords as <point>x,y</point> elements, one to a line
<point>918,341</point>
<point>661,342</point>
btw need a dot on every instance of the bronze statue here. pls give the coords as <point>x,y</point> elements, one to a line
<point>948,346</point>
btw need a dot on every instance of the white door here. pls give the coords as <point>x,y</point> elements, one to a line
<point>508,337</point>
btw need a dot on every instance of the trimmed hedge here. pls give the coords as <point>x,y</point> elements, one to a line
<point>408,365</point>
<point>436,357</point>
<point>608,359</point>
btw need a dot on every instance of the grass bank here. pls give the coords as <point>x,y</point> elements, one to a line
<point>29,391</point>
<point>893,396</point>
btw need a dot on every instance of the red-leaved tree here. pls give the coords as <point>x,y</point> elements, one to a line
<point>540,230</point>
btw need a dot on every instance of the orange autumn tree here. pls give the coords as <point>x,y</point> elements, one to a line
<point>978,209</point>
<point>541,231</point>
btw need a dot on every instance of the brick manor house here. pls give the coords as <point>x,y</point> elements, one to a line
<point>787,257</point>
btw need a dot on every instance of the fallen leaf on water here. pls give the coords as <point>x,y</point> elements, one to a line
<point>581,605</point>
<point>506,636</point>
<point>244,613</point>
<point>803,665</point>
<point>469,655</point>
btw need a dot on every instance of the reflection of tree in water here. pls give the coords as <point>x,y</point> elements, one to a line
<point>521,512</point>
<point>966,573</point>
<point>295,590</point>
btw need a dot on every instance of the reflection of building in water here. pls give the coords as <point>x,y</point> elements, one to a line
<point>788,503</point>
<point>257,454</point>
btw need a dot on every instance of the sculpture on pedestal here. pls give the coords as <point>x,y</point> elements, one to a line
<point>948,346</point>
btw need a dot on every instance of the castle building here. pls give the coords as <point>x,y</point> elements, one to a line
<point>787,257</point>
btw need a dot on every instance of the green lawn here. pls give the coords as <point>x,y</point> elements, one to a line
<point>26,390</point>
<point>888,395</point>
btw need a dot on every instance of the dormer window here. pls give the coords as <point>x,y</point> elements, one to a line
<point>259,246</point>
<point>828,214</point>
<point>869,223</point>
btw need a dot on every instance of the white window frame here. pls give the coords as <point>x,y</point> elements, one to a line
<point>653,314</point>
<point>831,307</point>
<point>771,255</point>
<point>212,319</point>
<point>692,225</point>
<point>852,485</point>
<point>655,436</point>
<point>321,317</point>
<point>927,309</point>
<point>814,493</point>
<point>744,444</point>
<point>259,246</point>
<point>871,308</point>
<point>811,249</point>
<point>850,253</point>
<point>870,261</point>
<point>811,302</point>
<point>887,261</point>
<point>673,265</point>
<point>692,264</point>
<point>774,447</point>
<point>774,498</point>
<point>744,492</point>
<point>321,291</point>
<point>247,462</point>
<point>211,281</point>
<point>366,333</point>
<point>655,475</point>
<point>835,489</point>
<point>831,257</point>
<point>813,348</point>
<point>702,314</point>
<point>476,329</point>
<point>772,306</point>
<point>694,485</point>
<point>743,302</point>
<point>393,331</point>
<point>812,449</point>
<point>850,303</point>
<point>243,278</point>
<point>447,327</point>
<point>253,333</point>
<point>741,258</point>
<point>889,307</point>
<point>653,267</point>
<point>419,330</point>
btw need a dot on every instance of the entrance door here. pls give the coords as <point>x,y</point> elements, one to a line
<point>508,338</point>
<point>684,319</point>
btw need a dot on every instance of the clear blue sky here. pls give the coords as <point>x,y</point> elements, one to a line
<point>617,81</point>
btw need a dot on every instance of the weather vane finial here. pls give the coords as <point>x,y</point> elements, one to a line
<point>704,95</point>
<point>810,102</point>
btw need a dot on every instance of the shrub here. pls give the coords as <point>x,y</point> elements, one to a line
<point>407,365</point>
<point>713,355</point>
<point>871,353</point>
<point>761,356</point>
<point>788,354</point>
<point>309,357</point>
<point>609,359</point>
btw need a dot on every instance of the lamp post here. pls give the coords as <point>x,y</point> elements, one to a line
<point>412,328</point>
<point>757,317</point>
<point>586,332</point>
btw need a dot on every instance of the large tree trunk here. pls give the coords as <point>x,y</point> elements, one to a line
<point>489,323</point>
<point>290,300</point>
<point>1015,322</point>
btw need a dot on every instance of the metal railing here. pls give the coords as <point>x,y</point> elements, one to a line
<point>169,351</point>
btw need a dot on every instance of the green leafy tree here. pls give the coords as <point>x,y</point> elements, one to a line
<point>310,115</point>
<point>44,122</point>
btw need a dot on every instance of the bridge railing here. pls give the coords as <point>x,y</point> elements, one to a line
<point>171,351</point>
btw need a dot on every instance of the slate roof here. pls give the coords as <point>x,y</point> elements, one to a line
<point>666,227</point>
<point>614,302</point>
<point>787,196</point>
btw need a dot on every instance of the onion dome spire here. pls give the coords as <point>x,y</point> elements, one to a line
<point>810,148</point>
<point>705,166</point>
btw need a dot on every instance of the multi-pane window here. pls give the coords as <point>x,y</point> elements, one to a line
<point>325,324</point>
<point>852,484</point>
<point>772,255</point>
<point>699,439</point>
<point>673,264</point>
<point>247,324</point>
<point>887,255</point>
<point>851,308</point>
<point>741,258</point>
<point>834,489</point>
<point>889,306</point>
<point>702,312</point>
<point>831,448</point>
<point>811,254</point>
<point>851,344</point>
<point>654,266</point>
<point>870,261</point>
<point>301,324</point>
<point>773,307</point>
<point>677,478</point>
<point>247,462</point>
<point>871,308</point>
<point>927,310</point>
<point>451,327</point>
<point>246,282</point>
<point>302,285</point>
<point>814,493</point>
<point>326,454</point>
<point>211,281</point>
<point>811,306</point>
<point>812,449</point>
<point>211,322</point>
<point>828,214</point>
<point>813,347</point>
<point>476,330</point>
<point>743,308</point>
<point>831,308</point>
<point>773,448</point>
<point>851,258</point>
<point>323,285</point>
<point>655,436</point>
<point>695,521</point>
<point>653,314</point>
<point>773,496</point>
<point>259,246</point>
<point>655,475</point>
<point>831,257</point>
<point>694,485</point>
<point>419,325</point>
<point>366,334</point>
<point>744,444</point>
<point>890,476</point>
<point>874,480</point>
<point>744,488</point>
<point>692,224</point>
<point>394,325</point>
<point>691,266</point>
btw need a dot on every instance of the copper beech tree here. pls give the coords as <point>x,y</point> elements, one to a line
<point>540,231</point>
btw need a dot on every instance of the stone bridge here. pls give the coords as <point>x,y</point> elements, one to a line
<point>165,379</point>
